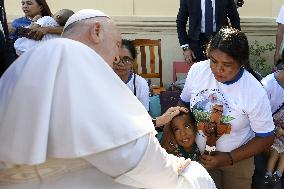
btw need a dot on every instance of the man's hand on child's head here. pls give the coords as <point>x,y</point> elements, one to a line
<point>170,113</point>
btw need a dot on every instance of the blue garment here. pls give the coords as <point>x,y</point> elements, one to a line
<point>17,23</point>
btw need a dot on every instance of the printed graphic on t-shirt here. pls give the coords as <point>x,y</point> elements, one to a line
<point>208,109</point>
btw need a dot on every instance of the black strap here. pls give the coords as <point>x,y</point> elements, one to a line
<point>134,84</point>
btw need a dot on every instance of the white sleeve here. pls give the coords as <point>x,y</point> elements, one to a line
<point>144,93</point>
<point>119,160</point>
<point>260,116</point>
<point>144,164</point>
<point>268,85</point>
<point>280,18</point>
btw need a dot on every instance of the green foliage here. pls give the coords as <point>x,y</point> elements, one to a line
<point>205,116</point>
<point>258,57</point>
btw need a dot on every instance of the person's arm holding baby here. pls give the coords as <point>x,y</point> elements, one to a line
<point>60,17</point>
<point>39,32</point>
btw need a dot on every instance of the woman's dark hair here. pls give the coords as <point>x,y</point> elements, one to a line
<point>130,46</point>
<point>234,43</point>
<point>45,8</point>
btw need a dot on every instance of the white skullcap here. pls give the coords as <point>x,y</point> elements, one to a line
<point>84,14</point>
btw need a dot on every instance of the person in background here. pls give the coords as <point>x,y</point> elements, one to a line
<point>59,19</point>
<point>274,86</point>
<point>78,133</point>
<point>137,84</point>
<point>32,8</point>
<point>7,53</point>
<point>279,37</point>
<point>205,18</point>
<point>228,104</point>
<point>124,69</point>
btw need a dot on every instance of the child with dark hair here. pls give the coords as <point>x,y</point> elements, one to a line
<point>58,19</point>
<point>178,137</point>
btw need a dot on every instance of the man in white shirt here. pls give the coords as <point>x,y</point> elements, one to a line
<point>198,13</point>
<point>60,127</point>
<point>279,35</point>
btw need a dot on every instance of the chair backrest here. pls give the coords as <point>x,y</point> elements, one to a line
<point>147,63</point>
<point>180,67</point>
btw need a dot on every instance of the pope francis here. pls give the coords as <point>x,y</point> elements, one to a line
<point>64,123</point>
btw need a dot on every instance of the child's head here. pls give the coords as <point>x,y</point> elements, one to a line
<point>62,16</point>
<point>184,129</point>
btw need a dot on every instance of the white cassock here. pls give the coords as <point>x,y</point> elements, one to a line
<point>68,122</point>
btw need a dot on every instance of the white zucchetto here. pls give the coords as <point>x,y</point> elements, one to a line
<point>84,14</point>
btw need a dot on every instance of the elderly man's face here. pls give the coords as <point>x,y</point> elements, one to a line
<point>112,43</point>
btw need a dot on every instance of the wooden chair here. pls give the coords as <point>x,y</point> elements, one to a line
<point>148,63</point>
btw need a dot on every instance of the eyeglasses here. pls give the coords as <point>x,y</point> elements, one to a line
<point>125,60</point>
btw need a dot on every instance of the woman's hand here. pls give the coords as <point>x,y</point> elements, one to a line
<point>37,33</point>
<point>220,159</point>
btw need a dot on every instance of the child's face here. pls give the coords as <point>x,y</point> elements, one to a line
<point>182,129</point>
<point>58,15</point>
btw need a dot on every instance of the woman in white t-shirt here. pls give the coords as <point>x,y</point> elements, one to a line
<point>279,35</point>
<point>124,69</point>
<point>231,108</point>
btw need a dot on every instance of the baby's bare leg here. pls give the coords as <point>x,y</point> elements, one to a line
<point>273,157</point>
<point>280,166</point>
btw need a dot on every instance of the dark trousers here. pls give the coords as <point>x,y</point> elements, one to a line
<point>7,53</point>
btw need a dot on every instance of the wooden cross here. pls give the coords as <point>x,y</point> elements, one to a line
<point>214,129</point>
